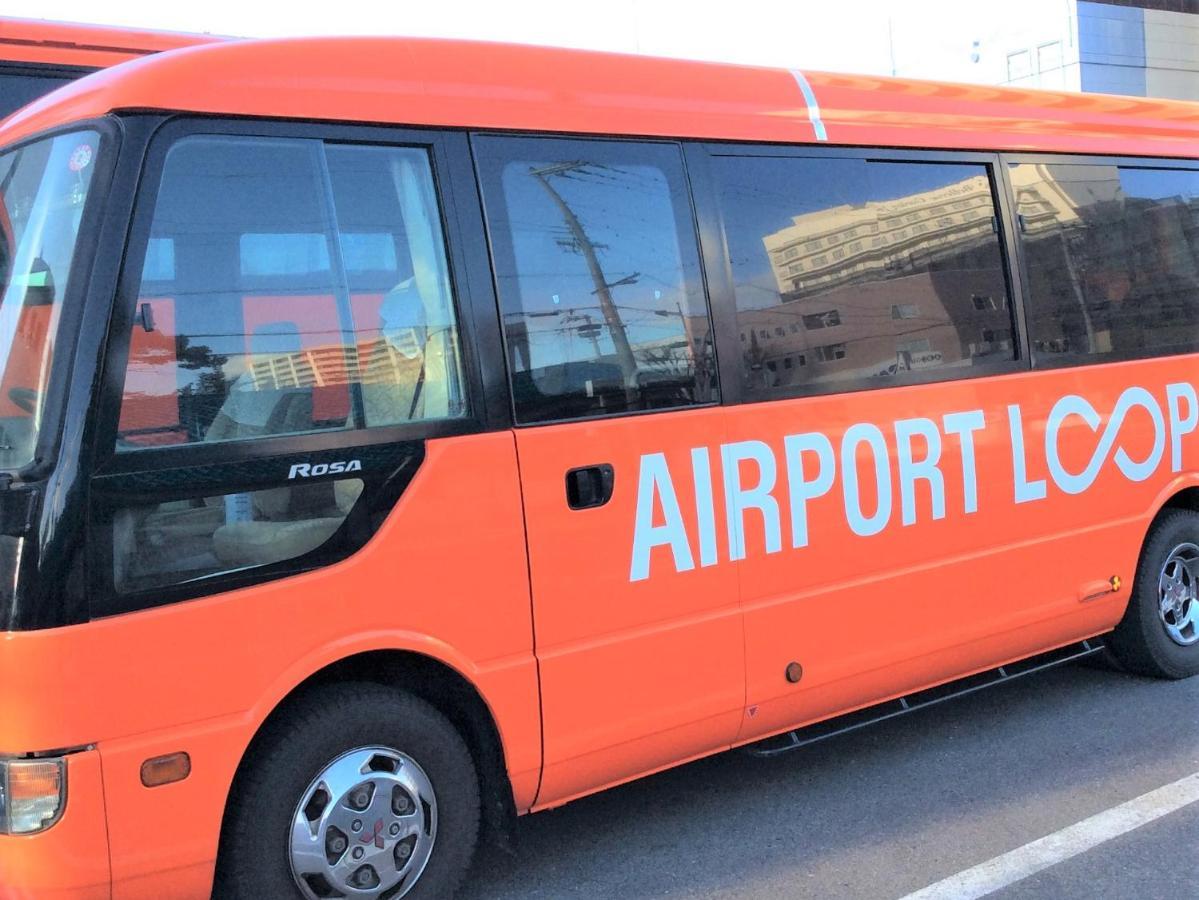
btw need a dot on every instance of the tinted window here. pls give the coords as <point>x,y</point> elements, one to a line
<point>158,544</point>
<point>284,254</point>
<point>251,321</point>
<point>44,186</point>
<point>848,269</point>
<point>20,88</point>
<point>598,275</point>
<point>1113,259</point>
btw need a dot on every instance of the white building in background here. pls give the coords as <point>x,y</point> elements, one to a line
<point>1138,47</point>
<point>1147,48</point>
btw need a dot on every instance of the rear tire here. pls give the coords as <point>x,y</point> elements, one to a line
<point>1159,634</point>
<point>397,754</point>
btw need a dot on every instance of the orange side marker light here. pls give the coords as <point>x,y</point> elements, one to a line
<point>159,770</point>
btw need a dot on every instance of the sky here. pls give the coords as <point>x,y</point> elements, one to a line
<point>932,38</point>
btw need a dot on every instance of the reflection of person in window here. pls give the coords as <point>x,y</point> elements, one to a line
<point>1107,291</point>
<point>1159,311</point>
<point>394,365</point>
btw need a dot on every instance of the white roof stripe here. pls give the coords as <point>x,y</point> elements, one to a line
<point>809,97</point>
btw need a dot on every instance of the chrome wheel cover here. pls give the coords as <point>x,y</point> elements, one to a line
<point>1178,600</point>
<point>364,827</point>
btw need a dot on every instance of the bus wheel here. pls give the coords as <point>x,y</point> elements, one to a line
<point>1159,634</point>
<point>357,791</point>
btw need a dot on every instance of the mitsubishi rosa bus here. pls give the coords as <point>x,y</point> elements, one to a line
<point>398,435</point>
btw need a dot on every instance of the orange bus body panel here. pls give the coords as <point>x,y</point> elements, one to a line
<point>68,861</point>
<point>633,675</point>
<point>629,671</point>
<point>87,46</point>
<point>917,604</point>
<point>203,675</point>
<point>479,85</point>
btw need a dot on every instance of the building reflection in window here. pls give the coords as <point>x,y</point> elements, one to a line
<point>850,269</point>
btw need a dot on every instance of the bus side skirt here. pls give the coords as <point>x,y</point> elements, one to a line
<point>811,734</point>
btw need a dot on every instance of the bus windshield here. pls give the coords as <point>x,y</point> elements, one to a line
<point>43,188</point>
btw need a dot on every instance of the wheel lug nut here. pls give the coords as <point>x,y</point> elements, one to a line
<point>358,853</point>
<point>395,829</point>
<point>337,844</point>
<point>357,825</point>
<point>404,851</point>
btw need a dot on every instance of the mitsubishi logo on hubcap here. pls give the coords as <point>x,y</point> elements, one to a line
<point>375,836</point>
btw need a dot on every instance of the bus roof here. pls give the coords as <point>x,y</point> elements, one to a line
<point>88,46</point>
<point>432,82</point>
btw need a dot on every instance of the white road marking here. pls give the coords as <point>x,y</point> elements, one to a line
<point>1008,868</point>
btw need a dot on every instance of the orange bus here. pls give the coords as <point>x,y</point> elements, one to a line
<point>404,434</point>
<point>37,56</point>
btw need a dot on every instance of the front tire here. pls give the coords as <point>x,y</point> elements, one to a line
<point>355,790</point>
<point>1159,634</point>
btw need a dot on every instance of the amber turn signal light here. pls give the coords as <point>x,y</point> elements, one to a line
<point>159,770</point>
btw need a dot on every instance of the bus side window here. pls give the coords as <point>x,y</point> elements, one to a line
<point>290,286</point>
<point>1113,259</point>
<point>150,406</point>
<point>290,317</point>
<point>863,271</point>
<point>598,273</point>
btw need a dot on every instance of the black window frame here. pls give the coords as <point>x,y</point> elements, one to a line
<point>486,394</point>
<point>101,208</point>
<point>697,225</point>
<point>51,593</point>
<point>722,296</point>
<point>389,454</point>
<point>1053,361</point>
<point>56,71</point>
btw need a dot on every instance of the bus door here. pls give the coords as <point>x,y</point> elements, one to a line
<point>871,297</point>
<point>610,355</point>
<point>292,389</point>
<point>293,345</point>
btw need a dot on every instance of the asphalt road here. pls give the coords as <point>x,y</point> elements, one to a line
<point>893,808</point>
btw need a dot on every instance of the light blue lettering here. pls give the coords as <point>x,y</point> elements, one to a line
<point>859,523</point>
<point>705,511</point>
<point>1070,405</point>
<point>1073,405</point>
<point>1178,425</point>
<point>964,424</point>
<point>1136,471</point>
<point>738,498</point>
<point>1026,490</point>
<point>654,479</point>
<point>802,490</point>
<point>912,470</point>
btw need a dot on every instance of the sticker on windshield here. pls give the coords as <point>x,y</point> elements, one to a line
<point>81,157</point>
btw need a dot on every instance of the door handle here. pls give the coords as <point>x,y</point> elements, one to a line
<point>590,486</point>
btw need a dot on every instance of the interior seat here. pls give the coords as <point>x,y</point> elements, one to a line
<point>285,522</point>
<point>275,538</point>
